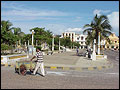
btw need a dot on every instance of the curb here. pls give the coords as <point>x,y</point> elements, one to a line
<point>79,68</point>
<point>71,68</point>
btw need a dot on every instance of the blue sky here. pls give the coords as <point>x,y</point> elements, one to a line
<point>58,16</point>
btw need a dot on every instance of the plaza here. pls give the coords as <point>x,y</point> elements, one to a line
<point>59,45</point>
<point>69,77</point>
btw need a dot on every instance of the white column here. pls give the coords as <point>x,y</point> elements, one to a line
<point>17,44</point>
<point>36,42</point>
<point>98,43</point>
<point>28,42</point>
<point>94,53</point>
<point>53,43</point>
<point>59,44</point>
<point>25,43</point>
<point>32,37</point>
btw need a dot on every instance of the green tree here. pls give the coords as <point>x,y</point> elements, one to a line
<point>99,24</point>
<point>7,36</point>
<point>42,35</point>
<point>19,34</point>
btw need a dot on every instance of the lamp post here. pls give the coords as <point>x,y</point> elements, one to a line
<point>32,37</point>
<point>32,40</point>
<point>53,43</point>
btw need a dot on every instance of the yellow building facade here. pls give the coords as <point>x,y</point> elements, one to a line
<point>114,42</point>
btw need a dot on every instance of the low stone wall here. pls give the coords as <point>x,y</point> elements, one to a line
<point>101,56</point>
<point>12,58</point>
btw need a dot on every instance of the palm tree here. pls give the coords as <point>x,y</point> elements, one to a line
<point>99,26</point>
<point>6,32</point>
<point>17,32</point>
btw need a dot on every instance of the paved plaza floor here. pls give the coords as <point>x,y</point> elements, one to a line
<point>69,60</point>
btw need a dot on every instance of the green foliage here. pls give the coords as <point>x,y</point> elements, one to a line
<point>56,47</point>
<point>42,35</point>
<point>5,47</point>
<point>38,47</point>
<point>68,43</point>
<point>9,37</point>
<point>98,24</point>
<point>76,44</point>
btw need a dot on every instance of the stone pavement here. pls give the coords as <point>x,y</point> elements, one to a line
<point>69,61</point>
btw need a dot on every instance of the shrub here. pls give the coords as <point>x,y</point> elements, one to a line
<point>5,47</point>
<point>38,47</point>
<point>56,47</point>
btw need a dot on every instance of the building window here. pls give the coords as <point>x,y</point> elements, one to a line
<point>81,42</point>
<point>66,34</point>
<point>72,35</point>
<point>77,38</point>
<point>81,38</point>
<point>69,34</point>
<point>115,41</point>
<point>112,46</point>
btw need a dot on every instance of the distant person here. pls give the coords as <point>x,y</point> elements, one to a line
<point>39,62</point>
<point>77,50</point>
<point>89,53</point>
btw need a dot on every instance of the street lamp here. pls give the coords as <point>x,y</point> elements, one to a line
<point>32,37</point>
<point>53,43</point>
<point>32,40</point>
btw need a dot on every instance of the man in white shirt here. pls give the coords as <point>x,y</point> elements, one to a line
<point>39,62</point>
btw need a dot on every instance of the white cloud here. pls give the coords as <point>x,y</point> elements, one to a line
<point>99,12</point>
<point>25,12</point>
<point>28,18</point>
<point>19,12</point>
<point>56,28</point>
<point>74,29</point>
<point>114,21</point>
<point>78,19</point>
<point>15,9</point>
<point>96,12</point>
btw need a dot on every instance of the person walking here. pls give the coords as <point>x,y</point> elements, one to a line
<point>39,62</point>
<point>77,51</point>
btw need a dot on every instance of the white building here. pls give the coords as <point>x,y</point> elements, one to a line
<point>80,38</point>
<point>69,34</point>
